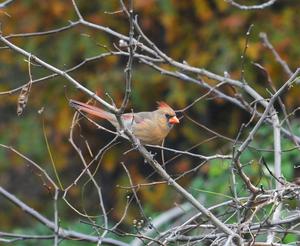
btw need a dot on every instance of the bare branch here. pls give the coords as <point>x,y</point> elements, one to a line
<point>33,34</point>
<point>51,225</point>
<point>5,3</point>
<point>60,72</point>
<point>264,38</point>
<point>286,85</point>
<point>252,7</point>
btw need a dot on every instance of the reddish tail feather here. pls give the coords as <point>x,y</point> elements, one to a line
<point>91,110</point>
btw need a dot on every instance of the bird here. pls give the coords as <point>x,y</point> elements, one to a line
<point>149,127</point>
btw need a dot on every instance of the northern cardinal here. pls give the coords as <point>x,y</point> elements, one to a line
<point>148,127</point>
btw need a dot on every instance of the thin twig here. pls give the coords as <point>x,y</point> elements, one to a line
<point>264,38</point>
<point>68,234</point>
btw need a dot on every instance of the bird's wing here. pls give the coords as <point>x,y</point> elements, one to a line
<point>139,117</point>
<point>148,132</point>
<point>131,119</point>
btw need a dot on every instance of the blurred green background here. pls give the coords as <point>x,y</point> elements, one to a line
<point>207,33</point>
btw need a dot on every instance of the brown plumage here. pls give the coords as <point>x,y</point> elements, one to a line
<point>148,127</point>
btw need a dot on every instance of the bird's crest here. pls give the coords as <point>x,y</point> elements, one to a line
<point>162,105</point>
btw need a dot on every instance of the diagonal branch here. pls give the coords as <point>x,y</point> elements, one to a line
<point>62,233</point>
<point>60,72</point>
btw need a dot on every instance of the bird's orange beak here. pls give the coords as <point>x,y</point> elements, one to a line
<point>173,120</point>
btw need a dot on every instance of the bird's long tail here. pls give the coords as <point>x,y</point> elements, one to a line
<point>91,110</point>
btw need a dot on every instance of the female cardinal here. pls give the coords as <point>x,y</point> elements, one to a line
<point>148,127</point>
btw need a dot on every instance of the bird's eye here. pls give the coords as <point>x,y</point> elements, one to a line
<point>168,116</point>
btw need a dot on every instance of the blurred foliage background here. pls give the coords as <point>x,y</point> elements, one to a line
<point>207,33</point>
